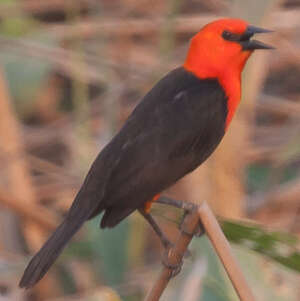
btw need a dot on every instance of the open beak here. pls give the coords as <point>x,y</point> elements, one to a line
<point>249,44</point>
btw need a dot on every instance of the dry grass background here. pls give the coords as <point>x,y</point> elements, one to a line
<point>71,72</point>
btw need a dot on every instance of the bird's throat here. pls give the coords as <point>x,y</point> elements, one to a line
<point>232,87</point>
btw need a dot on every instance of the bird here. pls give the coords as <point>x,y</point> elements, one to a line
<point>175,127</point>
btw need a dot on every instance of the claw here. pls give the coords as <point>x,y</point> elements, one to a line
<point>168,245</point>
<point>199,231</point>
<point>174,268</point>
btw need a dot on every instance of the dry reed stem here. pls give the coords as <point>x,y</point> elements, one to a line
<point>175,256</point>
<point>203,214</point>
<point>19,180</point>
<point>34,212</point>
<point>222,248</point>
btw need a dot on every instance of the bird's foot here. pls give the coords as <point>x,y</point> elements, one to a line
<point>167,244</point>
<point>198,232</point>
<point>174,268</point>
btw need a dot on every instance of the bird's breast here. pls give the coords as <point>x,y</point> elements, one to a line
<point>232,88</point>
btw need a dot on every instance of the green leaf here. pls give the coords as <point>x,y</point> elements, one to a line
<point>105,250</point>
<point>278,246</point>
<point>110,250</point>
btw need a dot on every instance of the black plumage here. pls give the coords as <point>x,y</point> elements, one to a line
<point>175,127</point>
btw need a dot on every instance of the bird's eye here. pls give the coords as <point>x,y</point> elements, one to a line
<point>226,35</point>
<point>229,36</point>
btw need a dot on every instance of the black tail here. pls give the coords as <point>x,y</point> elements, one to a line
<point>43,260</point>
<point>86,202</point>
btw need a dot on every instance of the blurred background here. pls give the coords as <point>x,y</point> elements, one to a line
<point>70,73</point>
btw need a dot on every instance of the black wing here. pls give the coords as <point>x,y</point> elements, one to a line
<point>172,131</point>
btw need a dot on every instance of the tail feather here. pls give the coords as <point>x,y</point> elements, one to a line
<point>87,202</point>
<point>43,260</point>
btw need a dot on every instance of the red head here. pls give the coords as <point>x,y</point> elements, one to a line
<point>220,50</point>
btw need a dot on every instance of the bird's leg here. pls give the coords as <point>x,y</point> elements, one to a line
<point>163,238</point>
<point>166,243</point>
<point>175,268</point>
<point>187,207</point>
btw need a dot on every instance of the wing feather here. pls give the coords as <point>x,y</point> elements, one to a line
<point>167,136</point>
